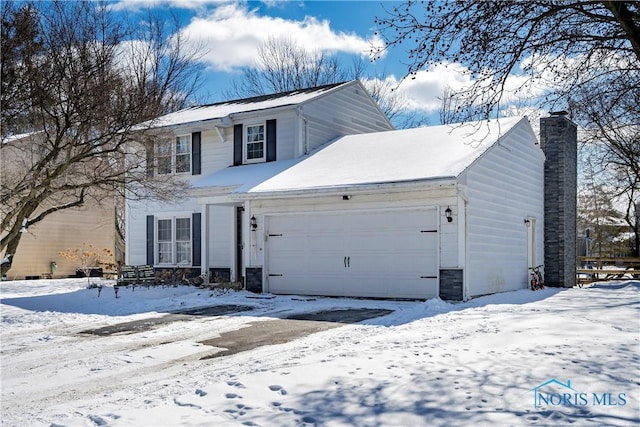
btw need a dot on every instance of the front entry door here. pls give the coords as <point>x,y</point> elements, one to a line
<point>239,245</point>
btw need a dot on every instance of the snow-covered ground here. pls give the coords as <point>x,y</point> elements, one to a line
<point>557,356</point>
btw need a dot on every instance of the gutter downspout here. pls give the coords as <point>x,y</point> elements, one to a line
<point>463,258</point>
<point>305,141</point>
<point>303,133</point>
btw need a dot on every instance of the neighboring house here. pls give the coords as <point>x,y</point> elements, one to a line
<point>38,254</point>
<point>313,192</point>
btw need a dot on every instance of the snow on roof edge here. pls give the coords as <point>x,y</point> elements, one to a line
<point>311,93</point>
<point>330,189</point>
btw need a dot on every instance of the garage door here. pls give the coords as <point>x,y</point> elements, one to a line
<point>385,254</point>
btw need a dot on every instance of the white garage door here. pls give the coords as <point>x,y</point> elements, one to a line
<point>386,254</point>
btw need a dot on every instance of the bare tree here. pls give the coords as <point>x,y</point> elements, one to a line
<point>77,84</point>
<point>282,66</point>
<point>449,108</point>
<point>598,213</point>
<point>585,53</point>
<point>613,167</point>
<point>569,40</point>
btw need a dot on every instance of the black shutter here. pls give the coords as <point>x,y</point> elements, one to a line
<point>196,239</point>
<point>237,145</point>
<point>149,149</point>
<point>271,140</point>
<point>195,153</point>
<point>150,239</point>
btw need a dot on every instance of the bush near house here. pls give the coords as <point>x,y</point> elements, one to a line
<point>90,258</point>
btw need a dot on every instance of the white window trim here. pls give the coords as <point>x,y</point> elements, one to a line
<point>174,155</point>
<point>174,251</point>
<point>245,143</point>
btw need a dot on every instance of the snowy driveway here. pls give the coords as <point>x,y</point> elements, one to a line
<point>145,325</point>
<point>558,356</point>
<point>251,335</point>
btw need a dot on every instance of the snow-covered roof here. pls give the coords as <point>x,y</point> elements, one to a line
<point>222,110</point>
<point>408,155</point>
<point>18,137</point>
<point>425,153</point>
<point>243,178</point>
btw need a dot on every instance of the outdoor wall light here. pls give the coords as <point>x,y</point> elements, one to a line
<point>254,223</point>
<point>447,213</point>
<point>346,197</point>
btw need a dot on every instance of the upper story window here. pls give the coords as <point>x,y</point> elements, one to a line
<point>174,156</point>
<point>255,143</point>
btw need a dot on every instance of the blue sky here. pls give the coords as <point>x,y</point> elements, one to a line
<point>231,32</point>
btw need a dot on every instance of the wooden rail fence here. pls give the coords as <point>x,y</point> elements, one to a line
<point>593,269</point>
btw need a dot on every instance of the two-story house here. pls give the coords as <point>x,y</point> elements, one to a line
<point>313,192</point>
<point>248,139</point>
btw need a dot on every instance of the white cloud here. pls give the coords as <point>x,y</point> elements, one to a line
<point>231,34</point>
<point>425,90</point>
<point>135,5</point>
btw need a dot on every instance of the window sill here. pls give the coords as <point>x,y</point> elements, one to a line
<point>254,161</point>
<point>173,266</point>
<point>188,173</point>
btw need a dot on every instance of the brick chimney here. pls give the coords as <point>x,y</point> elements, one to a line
<point>558,140</point>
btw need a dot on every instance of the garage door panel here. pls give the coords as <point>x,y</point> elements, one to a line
<point>372,254</point>
<point>303,285</point>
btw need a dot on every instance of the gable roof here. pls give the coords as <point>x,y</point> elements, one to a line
<point>390,157</point>
<point>221,111</point>
<point>409,155</point>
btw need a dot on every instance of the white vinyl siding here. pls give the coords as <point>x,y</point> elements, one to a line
<point>216,154</point>
<point>341,113</point>
<point>286,136</point>
<point>221,236</point>
<point>504,187</point>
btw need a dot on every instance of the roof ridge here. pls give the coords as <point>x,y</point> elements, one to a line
<point>260,98</point>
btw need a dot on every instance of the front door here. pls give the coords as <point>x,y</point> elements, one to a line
<point>239,244</point>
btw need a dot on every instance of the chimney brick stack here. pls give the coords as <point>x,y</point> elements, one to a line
<point>558,140</point>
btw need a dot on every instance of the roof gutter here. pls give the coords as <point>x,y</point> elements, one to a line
<point>218,122</point>
<point>212,190</point>
<point>440,182</point>
<point>259,111</point>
